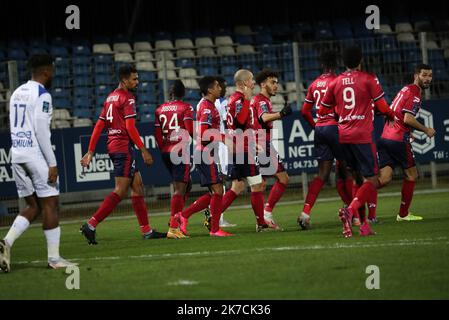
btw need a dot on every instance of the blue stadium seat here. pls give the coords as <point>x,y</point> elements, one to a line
<point>147,88</point>
<point>96,112</point>
<point>310,64</point>
<point>147,76</point>
<point>207,61</point>
<point>229,79</point>
<point>307,53</point>
<point>62,103</point>
<point>192,94</point>
<point>440,74</point>
<point>103,90</point>
<point>82,81</point>
<point>162,35</point>
<point>228,70</point>
<point>60,93</point>
<point>81,60</point>
<point>81,50</point>
<point>82,103</point>
<point>17,54</point>
<point>33,51</point>
<point>243,39</point>
<point>17,44</point>
<point>223,32</point>
<point>208,70</point>
<point>62,71</point>
<point>61,81</point>
<point>62,62</point>
<point>387,43</point>
<point>435,54</point>
<point>288,76</point>
<point>280,30</point>
<point>2,56</point>
<point>392,57</point>
<point>83,91</point>
<point>103,79</point>
<point>343,32</point>
<point>263,38</point>
<point>59,51</point>
<point>324,34</point>
<point>228,60</point>
<point>82,112</point>
<point>185,63</point>
<point>104,59</point>
<point>261,29</point>
<point>147,117</point>
<point>81,70</point>
<point>310,75</point>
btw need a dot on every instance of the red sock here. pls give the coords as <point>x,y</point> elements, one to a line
<point>257,204</point>
<point>314,189</point>
<point>200,204</point>
<point>176,205</point>
<point>228,199</point>
<point>372,206</point>
<point>348,185</point>
<point>275,194</point>
<point>140,209</point>
<point>381,185</point>
<point>105,209</point>
<point>355,188</point>
<point>215,211</point>
<point>407,196</point>
<point>341,189</point>
<point>361,198</point>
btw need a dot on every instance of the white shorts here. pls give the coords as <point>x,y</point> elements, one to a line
<point>32,177</point>
<point>223,156</point>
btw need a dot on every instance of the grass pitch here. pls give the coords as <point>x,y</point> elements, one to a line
<point>316,264</point>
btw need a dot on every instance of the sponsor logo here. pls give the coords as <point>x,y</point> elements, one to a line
<point>98,170</point>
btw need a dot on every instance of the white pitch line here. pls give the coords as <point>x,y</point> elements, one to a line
<point>353,245</point>
<point>282,203</point>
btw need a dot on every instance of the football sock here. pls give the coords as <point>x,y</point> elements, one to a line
<point>314,189</point>
<point>176,205</point>
<point>341,189</point>
<point>18,227</point>
<point>275,194</point>
<point>140,209</point>
<point>355,188</point>
<point>105,209</point>
<point>53,237</point>
<point>349,182</point>
<point>407,196</point>
<point>215,211</point>
<point>228,199</point>
<point>257,204</point>
<point>200,204</point>
<point>372,206</point>
<point>363,194</point>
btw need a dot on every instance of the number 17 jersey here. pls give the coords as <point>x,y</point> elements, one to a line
<point>119,106</point>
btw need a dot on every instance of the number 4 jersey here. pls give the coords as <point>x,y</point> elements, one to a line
<point>119,106</point>
<point>30,113</point>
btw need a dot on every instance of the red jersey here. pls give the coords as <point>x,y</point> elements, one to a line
<point>207,113</point>
<point>235,105</point>
<point>408,100</point>
<point>170,116</point>
<point>316,91</point>
<point>119,106</point>
<point>260,105</point>
<point>352,93</point>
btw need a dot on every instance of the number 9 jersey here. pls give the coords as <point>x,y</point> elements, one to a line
<point>119,106</point>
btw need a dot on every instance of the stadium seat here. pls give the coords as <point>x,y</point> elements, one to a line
<point>187,73</point>
<point>168,55</point>
<point>142,46</point>
<point>191,84</point>
<point>83,91</point>
<point>82,112</point>
<point>143,56</point>
<point>164,45</point>
<point>244,39</point>
<point>204,42</point>
<point>423,26</point>
<point>60,93</point>
<point>34,51</point>
<point>80,50</point>
<point>228,70</point>
<point>82,102</point>
<point>162,36</point>
<point>384,29</point>
<point>81,69</point>
<point>146,76</point>
<point>169,64</point>
<point>17,54</point>
<point>205,52</point>
<point>185,53</point>
<point>62,71</point>
<point>60,124</point>
<point>225,51</point>
<point>431,45</point>
<point>184,44</point>
<point>61,114</point>
<point>222,41</point>
<point>406,37</point>
<point>244,30</point>
<point>145,66</point>
<point>185,63</point>
<point>208,70</point>
<point>192,94</point>
<point>103,79</point>
<point>122,47</point>
<point>245,49</point>
<point>123,57</point>
<point>171,75</point>
<point>82,122</point>
<point>102,48</point>
<point>61,81</point>
<point>403,27</point>
<point>263,38</point>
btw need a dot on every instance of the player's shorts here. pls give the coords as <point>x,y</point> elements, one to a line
<point>179,172</point>
<point>32,177</point>
<point>209,173</point>
<point>124,164</point>
<point>271,163</point>
<point>327,146</point>
<point>395,153</point>
<point>223,156</point>
<point>361,158</point>
<point>247,170</point>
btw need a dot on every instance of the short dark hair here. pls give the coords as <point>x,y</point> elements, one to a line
<point>125,71</point>
<point>177,89</point>
<point>206,83</point>
<point>422,66</point>
<point>220,79</point>
<point>265,74</point>
<point>352,57</point>
<point>38,61</point>
<point>328,60</point>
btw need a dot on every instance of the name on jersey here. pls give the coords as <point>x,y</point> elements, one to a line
<point>321,84</point>
<point>169,108</point>
<point>114,131</point>
<point>353,117</point>
<point>347,81</point>
<point>113,98</point>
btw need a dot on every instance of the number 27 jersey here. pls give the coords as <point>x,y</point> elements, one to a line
<point>119,106</point>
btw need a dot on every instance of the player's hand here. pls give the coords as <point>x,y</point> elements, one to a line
<point>85,161</point>
<point>430,132</point>
<point>147,157</point>
<point>247,92</point>
<point>287,110</point>
<point>52,174</point>
<point>259,148</point>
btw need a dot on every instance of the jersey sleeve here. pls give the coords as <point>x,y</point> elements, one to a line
<point>412,105</point>
<point>375,89</point>
<point>103,113</point>
<point>328,100</point>
<point>43,112</point>
<point>261,108</point>
<point>205,116</point>
<point>188,113</point>
<point>309,97</point>
<point>157,123</point>
<point>129,108</point>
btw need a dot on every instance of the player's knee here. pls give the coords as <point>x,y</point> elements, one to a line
<point>284,178</point>
<point>121,192</point>
<point>412,176</point>
<point>238,187</point>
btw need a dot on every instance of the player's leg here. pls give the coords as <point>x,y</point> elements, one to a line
<point>324,169</point>
<point>275,195</point>
<point>258,185</point>
<point>216,209</point>
<point>408,186</point>
<point>344,181</point>
<point>237,187</point>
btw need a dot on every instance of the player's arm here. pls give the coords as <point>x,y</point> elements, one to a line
<point>306,113</point>
<point>267,117</point>
<point>98,129</point>
<point>410,120</point>
<point>130,124</point>
<point>382,106</point>
<point>242,115</point>
<point>158,131</point>
<point>188,120</point>
<point>43,115</point>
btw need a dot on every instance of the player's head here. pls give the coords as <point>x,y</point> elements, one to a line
<point>244,78</point>
<point>328,60</point>
<point>268,81</point>
<point>177,90</point>
<point>129,78</point>
<point>223,85</point>
<point>352,57</point>
<point>42,68</point>
<point>210,87</point>
<point>423,76</point>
